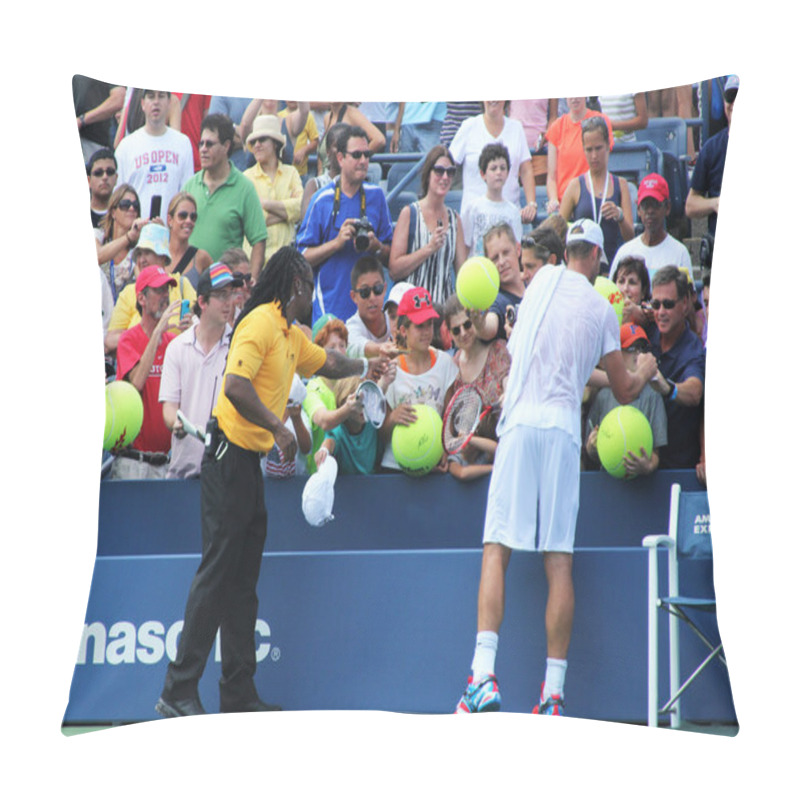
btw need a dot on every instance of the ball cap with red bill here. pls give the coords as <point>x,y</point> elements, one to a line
<point>416,304</point>
<point>153,276</point>
<point>630,333</point>
<point>655,186</point>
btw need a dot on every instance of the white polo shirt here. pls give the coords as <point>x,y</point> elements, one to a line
<point>192,379</point>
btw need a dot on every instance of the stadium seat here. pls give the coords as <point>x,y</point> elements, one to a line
<point>688,538</point>
<point>398,201</point>
<point>668,134</point>
<point>374,173</point>
<point>635,160</point>
<point>453,200</point>
<point>399,170</point>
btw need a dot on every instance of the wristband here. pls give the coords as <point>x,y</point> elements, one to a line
<point>366,368</point>
<point>621,216</point>
<point>673,389</point>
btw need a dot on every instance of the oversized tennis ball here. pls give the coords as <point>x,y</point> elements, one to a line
<point>623,429</point>
<point>611,292</point>
<point>124,415</point>
<point>478,283</point>
<point>418,447</point>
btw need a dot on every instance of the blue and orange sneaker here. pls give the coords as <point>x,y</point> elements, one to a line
<point>553,706</point>
<point>481,696</point>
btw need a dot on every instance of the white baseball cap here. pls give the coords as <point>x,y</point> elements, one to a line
<point>585,230</point>
<point>397,292</point>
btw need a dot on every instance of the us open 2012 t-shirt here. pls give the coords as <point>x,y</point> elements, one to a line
<point>155,165</point>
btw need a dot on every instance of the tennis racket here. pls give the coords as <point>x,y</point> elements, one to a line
<point>192,430</point>
<point>463,415</point>
<point>373,402</point>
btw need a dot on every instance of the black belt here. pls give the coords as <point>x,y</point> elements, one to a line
<point>156,459</point>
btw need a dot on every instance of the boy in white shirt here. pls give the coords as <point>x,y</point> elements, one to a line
<point>485,212</point>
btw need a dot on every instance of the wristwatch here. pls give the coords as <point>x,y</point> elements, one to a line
<point>673,390</point>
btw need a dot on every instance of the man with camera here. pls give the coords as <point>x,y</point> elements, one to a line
<point>347,219</point>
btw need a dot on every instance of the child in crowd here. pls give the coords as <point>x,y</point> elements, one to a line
<point>484,213</point>
<point>423,373</point>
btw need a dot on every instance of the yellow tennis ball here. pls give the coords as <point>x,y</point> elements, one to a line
<point>418,447</point>
<point>478,283</point>
<point>623,429</point>
<point>124,415</point>
<point>608,289</point>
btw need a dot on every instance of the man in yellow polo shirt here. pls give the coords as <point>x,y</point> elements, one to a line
<point>265,352</point>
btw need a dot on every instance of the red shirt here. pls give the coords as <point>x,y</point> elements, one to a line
<point>154,437</point>
<point>191,117</point>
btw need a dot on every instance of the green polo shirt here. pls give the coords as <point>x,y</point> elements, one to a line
<point>225,218</point>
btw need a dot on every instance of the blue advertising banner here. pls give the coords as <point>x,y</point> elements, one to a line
<point>375,628</point>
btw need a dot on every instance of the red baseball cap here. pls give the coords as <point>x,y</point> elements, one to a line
<point>416,304</point>
<point>653,185</point>
<point>154,276</point>
<point>629,333</point>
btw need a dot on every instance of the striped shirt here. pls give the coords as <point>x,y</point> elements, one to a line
<point>437,273</point>
<point>456,114</point>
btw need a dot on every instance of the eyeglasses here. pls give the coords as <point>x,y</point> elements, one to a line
<point>207,143</point>
<point>108,171</point>
<point>377,290</point>
<point>125,205</point>
<point>668,304</point>
<point>440,170</point>
<point>222,294</point>
<point>456,329</point>
<point>192,215</point>
<point>357,155</point>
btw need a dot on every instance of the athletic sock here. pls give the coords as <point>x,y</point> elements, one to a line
<point>554,677</point>
<point>485,652</point>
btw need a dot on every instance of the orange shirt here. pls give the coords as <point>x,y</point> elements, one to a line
<point>566,136</point>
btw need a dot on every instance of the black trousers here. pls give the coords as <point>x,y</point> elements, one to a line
<point>223,592</point>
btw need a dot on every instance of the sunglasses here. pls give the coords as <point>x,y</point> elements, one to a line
<point>108,171</point>
<point>377,290</point>
<point>668,304</point>
<point>259,140</point>
<point>192,215</point>
<point>440,170</point>
<point>456,329</point>
<point>126,204</point>
<point>207,143</point>
<point>357,155</point>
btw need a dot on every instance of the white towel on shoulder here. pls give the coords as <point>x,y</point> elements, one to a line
<point>532,309</point>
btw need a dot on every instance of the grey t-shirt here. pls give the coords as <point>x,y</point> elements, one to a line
<point>649,402</point>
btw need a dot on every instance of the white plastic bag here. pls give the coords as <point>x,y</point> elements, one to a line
<point>318,493</point>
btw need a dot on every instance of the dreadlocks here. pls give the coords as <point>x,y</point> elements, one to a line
<point>275,280</point>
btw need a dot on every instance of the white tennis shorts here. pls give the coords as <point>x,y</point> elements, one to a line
<point>534,491</point>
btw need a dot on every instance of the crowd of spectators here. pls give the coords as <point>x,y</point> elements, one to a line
<point>190,196</point>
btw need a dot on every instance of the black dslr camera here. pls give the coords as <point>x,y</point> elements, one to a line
<point>363,229</point>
